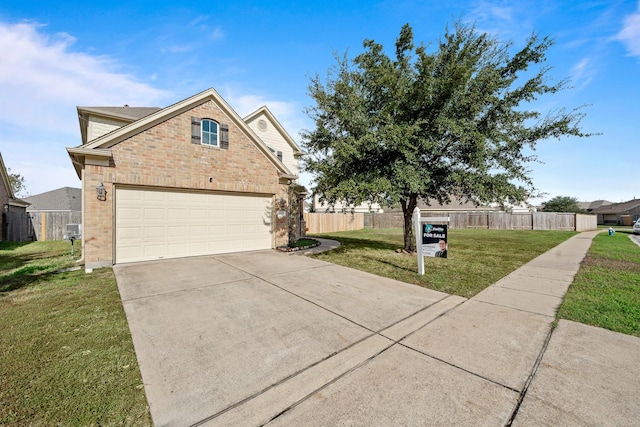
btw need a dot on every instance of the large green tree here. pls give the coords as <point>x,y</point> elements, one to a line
<point>432,123</point>
<point>563,204</point>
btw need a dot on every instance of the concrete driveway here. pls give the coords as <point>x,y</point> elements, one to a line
<point>267,338</point>
<point>237,339</point>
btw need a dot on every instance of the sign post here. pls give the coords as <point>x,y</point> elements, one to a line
<point>431,239</point>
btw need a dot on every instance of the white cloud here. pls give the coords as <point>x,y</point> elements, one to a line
<point>289,114</point>
<point>630,33</point>
<point>43,79</point>
<point>582,73</point>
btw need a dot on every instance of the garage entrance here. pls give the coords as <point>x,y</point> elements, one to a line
<point>154,224</point>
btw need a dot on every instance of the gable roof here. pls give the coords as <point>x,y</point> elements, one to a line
<point>594,205</point>
<point>126,114</point>
<point>62,199</point>
<point>100,147</point>
<point>4,176</point>
<point>618,208</point>
<point>265,111</point>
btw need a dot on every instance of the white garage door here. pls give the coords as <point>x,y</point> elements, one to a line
<point>152,224</point>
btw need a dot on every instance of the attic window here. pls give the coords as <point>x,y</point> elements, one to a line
<point>209,132</point>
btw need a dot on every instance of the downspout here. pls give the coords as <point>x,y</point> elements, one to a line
<point>81,260</point>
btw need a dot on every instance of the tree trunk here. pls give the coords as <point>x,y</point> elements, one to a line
<point>408,205</point>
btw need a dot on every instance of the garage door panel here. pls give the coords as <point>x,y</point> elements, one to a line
<point>154,234</point>
<point>158,196</point>
<point>130,214</point>
<point>177,214</point>
<point>154,251</point>
<point>153,224</point>
<point>129,233</point>
<point>177,232</point>
<point>151,214</point>
<point>177,197</point>
<point>174,250</point>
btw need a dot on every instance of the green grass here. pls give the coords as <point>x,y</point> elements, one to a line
<point>606,289</point>
<point>476,258</point>
<point>66,350</point>
<point>303,242</point>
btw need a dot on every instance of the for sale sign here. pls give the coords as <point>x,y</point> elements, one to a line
<point>434,240</point>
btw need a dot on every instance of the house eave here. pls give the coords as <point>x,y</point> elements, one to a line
<point>81,156</point>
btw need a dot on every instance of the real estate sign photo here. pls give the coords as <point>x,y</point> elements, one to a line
<point>434,240</point>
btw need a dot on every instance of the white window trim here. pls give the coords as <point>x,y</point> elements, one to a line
<point>202,132</point>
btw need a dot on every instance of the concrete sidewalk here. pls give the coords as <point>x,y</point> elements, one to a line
<point>271,339</point>
<point>493,360</point>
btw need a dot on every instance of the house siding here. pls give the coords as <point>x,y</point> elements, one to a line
<point>99,126</point>
<point>164,157</point>
<point>275,140</point>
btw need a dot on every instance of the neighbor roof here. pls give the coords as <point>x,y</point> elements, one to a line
<point>62,199</point>
<point>456,204</point>
<point>4,175</point>
<point>618,208</point>
<point>5,178</point>
<point>594,205</point>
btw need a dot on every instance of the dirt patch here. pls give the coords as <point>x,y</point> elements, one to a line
<point>601,262</point>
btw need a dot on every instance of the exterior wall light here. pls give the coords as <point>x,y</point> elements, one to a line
<point>282,213</point>
<point>101,193</point>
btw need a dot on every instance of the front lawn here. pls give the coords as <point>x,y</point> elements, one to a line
<point>66,351</point>
<point>476,258</point>
<point>606,290</point>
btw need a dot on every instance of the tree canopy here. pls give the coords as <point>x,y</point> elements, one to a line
<point>431,124</point>
<point>17,182</point>
<point>563,204</point>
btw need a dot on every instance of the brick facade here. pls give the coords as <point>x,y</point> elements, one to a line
<point>163,156</point>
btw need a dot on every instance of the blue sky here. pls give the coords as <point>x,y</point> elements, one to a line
<point>57,55</point>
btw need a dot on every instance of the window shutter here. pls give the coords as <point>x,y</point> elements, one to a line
<point>195,130</point>
<point>224,136</point>
<point>279,154</point>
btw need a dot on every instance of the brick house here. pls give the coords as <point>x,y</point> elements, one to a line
<point>190,179</point>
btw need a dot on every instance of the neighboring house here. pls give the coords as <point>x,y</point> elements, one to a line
<point>455,205</point>
<point>618,213</point>
<point>53,210</point>
<point>190,179</point>
<point>339,207</point>
<point>590,206</point>
<point>15,224</point>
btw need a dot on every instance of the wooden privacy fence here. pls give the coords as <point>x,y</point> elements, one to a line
<point>493,220</point>
<point>16,226</point>
<point>53,225</point>
<point>330,222</point>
